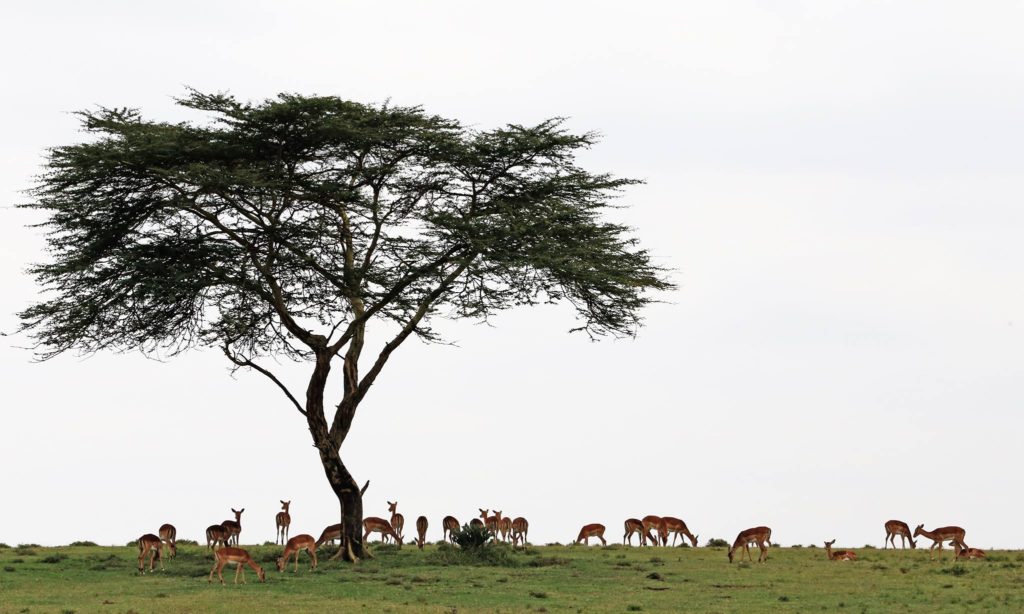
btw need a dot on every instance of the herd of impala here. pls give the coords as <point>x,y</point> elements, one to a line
<point>651,530</point>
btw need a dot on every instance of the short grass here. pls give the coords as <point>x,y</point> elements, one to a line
<point>544,579</point>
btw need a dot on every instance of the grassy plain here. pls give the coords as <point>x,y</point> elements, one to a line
<point>544,579</point>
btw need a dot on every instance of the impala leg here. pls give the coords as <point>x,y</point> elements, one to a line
<point>220,569</point>
<point>312,553</point>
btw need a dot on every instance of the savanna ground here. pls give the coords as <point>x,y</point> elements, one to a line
<point>543,579</point>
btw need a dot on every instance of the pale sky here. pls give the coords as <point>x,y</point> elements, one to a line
<point>836,185</point>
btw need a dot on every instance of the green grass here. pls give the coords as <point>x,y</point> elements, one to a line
<point>548,578</point>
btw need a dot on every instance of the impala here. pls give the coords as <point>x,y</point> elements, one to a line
<point>942,534</point>
<point>240,558</point>
<point>283,521</point>
<point>678,529</point>
<point>330,534</point>
<point>520,528</point>
<point>234,527</point>
<point>296,545</point>
<point>169,534</point>
<point>372,524</point>
<point>591,530</point>
<point>757,535</point>
<point>152,545</point>
<point>216,534</point>
<point>505,526</point>
<point>839,555</point>
<point>421,531</point>
<point>632,526</point>
<point>963,552</point>
<point>491,522</point>
<point>476,522</point>
<point>897,527</point>
<point>397,520</point>
<point>655,523</point>
<point>448,525</point>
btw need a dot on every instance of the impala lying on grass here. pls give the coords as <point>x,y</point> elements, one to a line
<point>963,552</point>
<point>839,555</point>
<point>942,534</point>
<point>591,530</point>
<point>898,527</point>
<point>758,535</point>
<point>296,545</point>
<point>283,520</point>
<point>240,558</point>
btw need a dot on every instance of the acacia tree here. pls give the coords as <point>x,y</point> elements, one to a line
<point>283,228</point>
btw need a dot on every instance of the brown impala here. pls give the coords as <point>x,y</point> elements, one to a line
<point>963,552</point>
<point>152,545</point>
<point>329,534</point>
<point>654,524</point>
<point>678,529</point>
<point>421,531</point>
<point>296,545</point>
<point>169,534</point>
<point>216,534</point>
<point>234,527</point>
<point>283,521</point>
<point>758,535</point>
<point>520,527</point>
<point>839,555</point>
<point>942,534</point>
<point>632,526</point>
<point>239,557</point>
<point>898,527</point>
<point>491,522</point>
<point>591,530</point>
<point>505,527</point>
<point>397,520</point>
<point>448,525</point>
<point>372,524</point>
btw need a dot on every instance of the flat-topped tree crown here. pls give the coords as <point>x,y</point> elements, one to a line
<point>280,228</point>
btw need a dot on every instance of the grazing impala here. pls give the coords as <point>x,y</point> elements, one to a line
<point>942,534</point>
<point>963,552</point>
<point>216,534</point>
<point>152,545</point>
<point>839,555</point>
<point>678,529</point>
<point>372,524</point>
<point>296,545</point>
<point>330,534</point>
<point>520,528</point>
<point>898,527</point>
<point>632,526</point>
<point>169,534</point>
<point>758,535</point>
<point>654,524</point>
<point>283,521</point>
<point>505,527</point>
<point>591,530</point>
<point>476,522</point>
<point>421,531</point>
<point>234,527</point>
<point>240,558</point>
<point>448,525</point>
<point>397,520</point>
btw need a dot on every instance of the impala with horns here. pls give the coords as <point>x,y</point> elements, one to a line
<point>283,520</point>
<point>295,546</point>
<point>240,558</point>
<point>758,535</point>
<point>942,534</point>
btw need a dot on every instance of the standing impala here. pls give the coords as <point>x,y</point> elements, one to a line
<point>591,530</point>
<point>152,545</point>
<point>963,552</point>
<point>898,527</point>
<point>234,527</point>
<point>239,557</point>
<point>758,535</point>
<point>283,521</point>
<point>505,527</point>
<point>216,534</point>
<point>654,524</point>
<point>839,555</point>
<point>678,529</point>
<point>169,534</point>
<point>632,526</point>
<point>421,531</point>
<point>520,528</point>
<point>449,524</point>
<point>397,520</point>
<point>491,522</point>
<point>372,524</point>
<point>296,545</point>
<point>942,534</point>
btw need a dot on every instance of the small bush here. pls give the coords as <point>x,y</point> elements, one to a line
<point>29,546</point>
<point>24,551</point>
<point>82,544</point>
<point>186,542</point>
<point>471,537</point>
<point>634,608</point>
<point>655,576</point>
<point>716,542</point>
<point>956,570</point>
<point>783,598</point>
<point>491,555</point>
<point>3,545</point>
<point>868,547</point>
<point>539,594</point>
<point>9,568</point>
<point>811,546</point>
<point>54,558</point>
<point>796,546</point>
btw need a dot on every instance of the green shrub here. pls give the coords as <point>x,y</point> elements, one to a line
<point>24,551</point>
<point>54,558</point>
<point>29,546</point>
<point>471,537</point>
<point>186,542</point>
<point>716,542</point>
<point>491,555</point>
<point>3,545</point>
<point>82,544</point>
<point>956,570</point>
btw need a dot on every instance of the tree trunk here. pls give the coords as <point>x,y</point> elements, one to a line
<point>351,501</point>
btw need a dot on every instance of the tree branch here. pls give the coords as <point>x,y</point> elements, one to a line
<point>249,363</point>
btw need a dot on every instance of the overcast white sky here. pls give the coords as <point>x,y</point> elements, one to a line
<point>837,186</point>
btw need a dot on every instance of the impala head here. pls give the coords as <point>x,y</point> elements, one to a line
<point>731,550</point>
<point>259,572</point>
<point>483,513</point>
<point>285,504</point>
<point>497,514</point>
<point>238,514</point>
<point>693,540</point>
<point>392,506</point>
<point>913,544</point>
<point>917,531</point>
<point>174,549</point>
